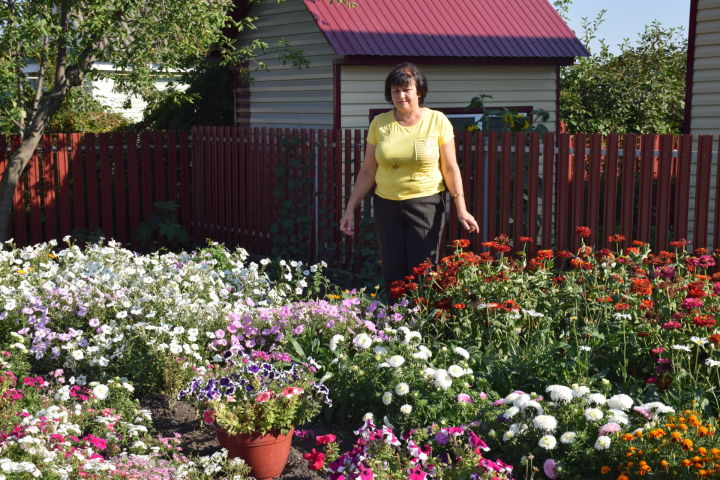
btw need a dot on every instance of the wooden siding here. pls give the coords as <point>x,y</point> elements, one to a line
<point>285,96</point>
<point>705,111</point>
<point>362,88</point>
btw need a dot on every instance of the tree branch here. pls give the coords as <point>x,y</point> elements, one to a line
<point>40,78</point>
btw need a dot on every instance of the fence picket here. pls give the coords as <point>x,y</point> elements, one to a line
<point>48,181</point>
<point>702,192</point>
<point>93,201</point>
<point>610,192</point>
<point>106,185</point>
<point>64,185</point>
<point>119,167</point>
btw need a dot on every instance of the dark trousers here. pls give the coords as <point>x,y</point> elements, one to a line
<point>408,232</point>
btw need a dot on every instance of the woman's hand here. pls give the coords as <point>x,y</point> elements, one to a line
<point>468,222</point>
<point>347,222</point>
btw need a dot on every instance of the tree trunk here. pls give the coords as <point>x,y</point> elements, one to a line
<point>17,163</point>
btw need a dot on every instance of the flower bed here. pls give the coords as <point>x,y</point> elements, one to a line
<point>611,346</point>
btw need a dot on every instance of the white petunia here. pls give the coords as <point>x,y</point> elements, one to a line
<point>546,423</point>
<point>462,352</point>
<point>402,388</point>
<point>620,402</point>
<point>602,442</point>
<point>593,414</point>
<point>387,398</point>
<point>396,361</point>
<point>379,350</point>
<point>101,391</point>
<point>560,393</point>
<point>334,342</point>
<point>548,442</point>
<point>406,409</point>
<point>456,371</point>
<point>78,354</point>
<point>568,437</point>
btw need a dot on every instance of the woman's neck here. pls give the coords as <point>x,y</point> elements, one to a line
<point>410,117</point>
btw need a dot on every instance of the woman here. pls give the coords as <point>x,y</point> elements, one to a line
<point>410,159</point>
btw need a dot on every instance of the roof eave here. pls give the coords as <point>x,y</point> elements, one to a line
<point>427,60</point>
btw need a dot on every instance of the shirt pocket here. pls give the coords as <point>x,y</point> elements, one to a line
<point>427,149</point>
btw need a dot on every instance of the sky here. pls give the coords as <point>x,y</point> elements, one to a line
<point>627,18</point>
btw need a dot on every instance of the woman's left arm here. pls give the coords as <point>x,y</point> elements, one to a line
<point>453,181</point>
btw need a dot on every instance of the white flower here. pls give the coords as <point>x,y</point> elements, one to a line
<point>442,379</point>
<point>423,353</point>
<point>507,436</point>
<point>547,442</point>
<point>456,371</point>
<point>402,388</point>
<point>462,352</point>
<point>585,348</point>
<point>406,409</point>
<point>533,404</point>
<point>387,398</point>
<point>620,402</point>
<point>362,340</point>
<point>681,347</point>
<point>379,350</point>
<point>78,354</point>
<point>602,442</point>
<point>579,390</point>
<point>699,340</point>
<point>81,380</point>
<point>546,423</point>
<point>593,414</point>
<point>617,416</point>
<point>510,412</point>
<point>712,363</point>
<point>334,342</point>
<point>596,398</point>
<point>396,361</point>
<point>429,373</point>
<point>568,437</point>
<point>368,416</point>
<point>101,391</point>
<point>560,393</point>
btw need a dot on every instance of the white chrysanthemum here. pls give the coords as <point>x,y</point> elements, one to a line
<point>406,409</point>
<point>518,428</point>
<point>456,371</point>
<point>387,398</point>
<point>362,340</point>
<point>533,404</point>
<point>396,361</point>
<point>443,379</point>
<point>579,390</point>
<point>334,342</point>
<point>521,400</point>
<point>560,393</point>
<point>429,373</point>
<point>617,416</point>
<point>620,402</point>
<point>602,442</point>
<point>547,442</point>
<point>507,436</point>
<point>684,348</point>
<point>101,391</point>
<point>510,412</point>
<point>511,397</point>
<point>568,437</point>
<point>462,352</point>
<point>546,423</point>
<point>593,414</point>
<point>402,388</point>
<point>596,398</point>
<point>423,353</point>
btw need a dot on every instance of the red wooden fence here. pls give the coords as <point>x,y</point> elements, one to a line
<point>81,184</point>
<point>654,188</point>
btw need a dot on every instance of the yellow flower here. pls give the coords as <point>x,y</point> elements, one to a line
<point>52,255</point>
<point>21,272</point>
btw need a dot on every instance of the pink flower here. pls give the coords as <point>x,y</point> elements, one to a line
<point>416,473</point>
<point>290,392</point>
<point>96,442</point>
<point>611,427</point>
<point>477,442</point>
<point>263,397</point>
<point>671,325</point>
<point>689,303</point>
<point>464,398</point>
<point>208,416</point>
<point>366,473</point>
<point>219,333</point>
<point>325,439</point>
<point>482,395</point>
<point>550,468</point>
<point>644,412</point>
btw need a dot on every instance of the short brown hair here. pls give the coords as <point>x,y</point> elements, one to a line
<point>402,75</point>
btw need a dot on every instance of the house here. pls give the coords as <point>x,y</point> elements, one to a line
<point>702,97</point>
<point>509,49</point>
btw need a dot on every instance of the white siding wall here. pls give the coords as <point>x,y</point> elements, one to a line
<point>285,96</point>
<point>705,112</point>
<point>452,86</point>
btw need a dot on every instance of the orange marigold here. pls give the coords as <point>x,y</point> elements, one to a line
<point>605,469</point>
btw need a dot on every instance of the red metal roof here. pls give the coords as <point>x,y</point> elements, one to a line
<point>446,28</point>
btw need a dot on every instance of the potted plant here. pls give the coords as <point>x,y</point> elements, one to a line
<point>254,400</point>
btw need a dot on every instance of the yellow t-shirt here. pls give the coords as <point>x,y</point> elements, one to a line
<point>408,158</point>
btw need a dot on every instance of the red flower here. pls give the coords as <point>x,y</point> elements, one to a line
<point>564,254</point>
<point>544,254</point>
<point>617,238</point>
<point>715,338</point>
<point>638,243</point>
<point>525,240</point>
<point>679,243</point>
<point>621,306</point>
<point>325,439</point>
<point>315,459</point>
<point>263,397</point>
<point>647,305</point>
<point>208,416</point>
<point>640,286</point>
<point>582,232</point>
<point>459,306</point>
<point>707,321</point>
<point>461,243</point>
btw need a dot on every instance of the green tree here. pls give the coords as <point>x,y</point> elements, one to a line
<point>639,90</point>
<point>80,112</point>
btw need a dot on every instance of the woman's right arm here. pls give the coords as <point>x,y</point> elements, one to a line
<point>363,183</point>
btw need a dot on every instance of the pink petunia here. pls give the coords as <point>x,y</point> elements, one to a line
<point>325,439</point>
<point>417,473</point>
<point>208,416</point>
<point>290,392</point>
<point>263,397</point>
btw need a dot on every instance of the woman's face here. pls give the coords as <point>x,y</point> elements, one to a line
<point>405,97</point>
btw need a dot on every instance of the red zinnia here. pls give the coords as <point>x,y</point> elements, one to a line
<point>461,243</point>
<point>525,240</point>
<point>617,238</point>
<point>707,321</point>
<point>678,243</point>
<point>582,232</point>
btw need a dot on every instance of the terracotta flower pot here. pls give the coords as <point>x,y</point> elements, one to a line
<point>265,454</point>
